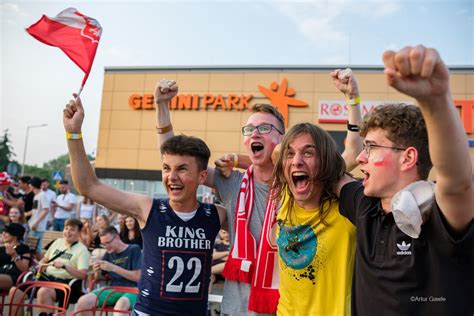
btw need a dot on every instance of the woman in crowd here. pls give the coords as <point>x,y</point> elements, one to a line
<point>86,236</point>
<point>131,232</point>
<point>101,222</point>
<point>15,215</point>
<point>87,210</point>
<point>14,255</point>
<point>219,257</point>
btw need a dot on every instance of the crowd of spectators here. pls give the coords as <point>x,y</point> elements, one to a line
<point>96,244</point>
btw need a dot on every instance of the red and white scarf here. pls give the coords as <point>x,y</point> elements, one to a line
<point>247,265</point>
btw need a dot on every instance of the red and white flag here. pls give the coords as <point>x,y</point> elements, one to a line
<point>74,33</point>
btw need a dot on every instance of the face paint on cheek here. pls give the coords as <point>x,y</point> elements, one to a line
<point>381,161</point>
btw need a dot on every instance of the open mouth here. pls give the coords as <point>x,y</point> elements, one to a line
<point>366,176</point>
<point>256,147</point>
<point>175,187</point>
<point>300,179</point>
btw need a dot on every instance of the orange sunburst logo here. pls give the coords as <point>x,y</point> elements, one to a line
<point>282,97</point>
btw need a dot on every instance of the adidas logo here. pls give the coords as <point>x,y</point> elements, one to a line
<point>404,249</point>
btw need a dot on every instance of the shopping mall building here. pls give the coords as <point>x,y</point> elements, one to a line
<point>214,102</point>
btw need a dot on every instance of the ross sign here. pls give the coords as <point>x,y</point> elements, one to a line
<point>335,111</point>
<point>57,175</point>
<point>280,96</point>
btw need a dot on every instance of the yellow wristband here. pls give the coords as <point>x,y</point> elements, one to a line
<point>73,136</point>
<point>354,101</point>
<point>236,160</point>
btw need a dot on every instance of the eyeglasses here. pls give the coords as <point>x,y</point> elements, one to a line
<point>368,147</point>
<point>247,130</point>
<point>106,243</point>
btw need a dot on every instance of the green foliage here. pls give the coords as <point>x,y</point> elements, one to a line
<point>59,163</point>
<point>39,172</point>
<point>6,150</point>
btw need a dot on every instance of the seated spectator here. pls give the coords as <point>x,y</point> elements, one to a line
<point>219,256</point>
<point>121,222</point>
<point>15,215</point>
<point>86,236</point>
<point>122,264</point>
<point>65,260</point>
<point>15,257</point>
<point>131,232</point>
<point>101,222</point>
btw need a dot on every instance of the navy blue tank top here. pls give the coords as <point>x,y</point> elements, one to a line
<point>177,261</point>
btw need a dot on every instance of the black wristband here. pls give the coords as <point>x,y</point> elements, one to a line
<point>353,128</point>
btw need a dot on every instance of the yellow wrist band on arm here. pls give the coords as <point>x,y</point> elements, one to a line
<point>236,160</point>
<point>73,136</point>
<point>354,101</point>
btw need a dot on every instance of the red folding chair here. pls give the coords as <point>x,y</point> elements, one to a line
<point>4,294</point>
<point>26,301</point>
<point>104,310</point>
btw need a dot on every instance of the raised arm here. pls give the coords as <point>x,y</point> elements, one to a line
<point>165,91</point>
<point>421,73</point>
<point>226,163</point>
<point>84,177</point>
<point>345,81</point>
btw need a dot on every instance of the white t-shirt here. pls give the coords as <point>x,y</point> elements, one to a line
<point>86,210</point>
<point>40,202</point>
<point>65,200</point>
<point>51,196</point>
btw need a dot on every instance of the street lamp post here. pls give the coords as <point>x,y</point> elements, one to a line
<point>26,144</point>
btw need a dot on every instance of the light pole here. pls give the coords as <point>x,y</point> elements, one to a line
<point>26,144</point>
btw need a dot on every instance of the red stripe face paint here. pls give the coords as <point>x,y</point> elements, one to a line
<point>380,163</point>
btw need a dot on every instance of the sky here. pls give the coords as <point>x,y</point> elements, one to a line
<point>38,80</point>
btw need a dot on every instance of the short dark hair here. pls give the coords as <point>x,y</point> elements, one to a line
<point>270,109</point>
<point>108,230</point>
<point>63,182</point>
<point>405,127</point>
<point>35,182</point>
<point>44,180</point>
<point>183,145</point>
<point>25,179</point>
<point>74,222</point>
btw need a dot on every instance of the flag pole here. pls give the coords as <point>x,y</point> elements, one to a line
<point>80,90</point>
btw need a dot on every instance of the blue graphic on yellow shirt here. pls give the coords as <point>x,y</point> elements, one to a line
<point>297,245</point>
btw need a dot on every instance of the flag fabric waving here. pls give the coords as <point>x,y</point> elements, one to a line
<point>74,33</point>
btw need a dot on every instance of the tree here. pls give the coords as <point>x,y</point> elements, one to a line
<point>6,151</point>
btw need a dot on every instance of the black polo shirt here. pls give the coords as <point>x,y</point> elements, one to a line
<point>399,275</point>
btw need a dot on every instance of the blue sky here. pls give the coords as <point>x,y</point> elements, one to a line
<point>38,80</point>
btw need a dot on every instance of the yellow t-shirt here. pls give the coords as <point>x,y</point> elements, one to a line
<point>316,262</point>
<point>77,256</point>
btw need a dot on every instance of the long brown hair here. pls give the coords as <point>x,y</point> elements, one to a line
<point>331,167</point>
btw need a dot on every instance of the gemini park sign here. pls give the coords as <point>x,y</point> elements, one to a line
<point>282,97</point>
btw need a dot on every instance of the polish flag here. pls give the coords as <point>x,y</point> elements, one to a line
<point>74,33</point>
